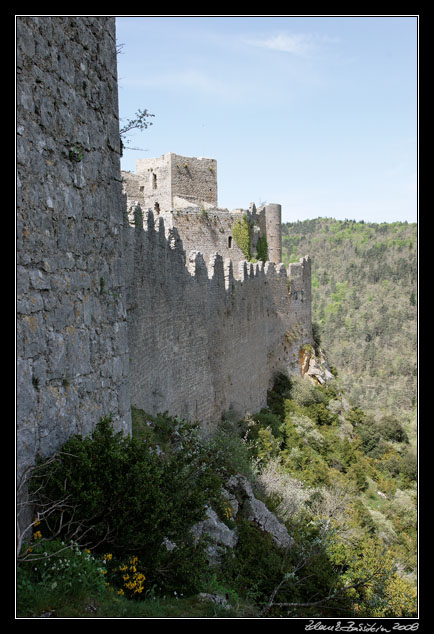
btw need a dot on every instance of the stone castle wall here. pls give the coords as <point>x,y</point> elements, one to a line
<point>194,180</point>
<point>71,320</point>
<point>208,231</point>
<point>206,337</point>
<point>109,314</point>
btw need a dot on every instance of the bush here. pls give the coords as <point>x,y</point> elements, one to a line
<point>262,249</point>
<point>409,465</point>
<point>391,429</point>
<point>279,392</point>
<point>304,393</point>
<point>254,568</point>
<point>316,334</point>
<point>228,453</point>
<point>123,496</point>
<point>320,414</point>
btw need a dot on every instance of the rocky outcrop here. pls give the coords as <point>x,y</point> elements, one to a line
<point>220,535</point>
<point>240,489</point>
<point>239,494</point>
<point>314,366</point>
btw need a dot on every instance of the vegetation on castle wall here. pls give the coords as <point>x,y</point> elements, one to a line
<point>262,249</point>
<point>242,235</point>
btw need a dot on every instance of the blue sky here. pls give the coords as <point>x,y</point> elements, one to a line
<point>318,114</point>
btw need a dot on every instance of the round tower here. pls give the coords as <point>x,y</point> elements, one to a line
<point>273,228</point>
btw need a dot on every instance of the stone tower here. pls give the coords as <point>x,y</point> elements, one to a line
<point>273,231</point>
<point>174,182</point>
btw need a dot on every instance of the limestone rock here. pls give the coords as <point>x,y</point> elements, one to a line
<point>257,512</point>
<point>215,598</point>
<point>315,367</point>
<point>219,534</point>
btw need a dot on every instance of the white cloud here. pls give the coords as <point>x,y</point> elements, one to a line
<point>299,44</point>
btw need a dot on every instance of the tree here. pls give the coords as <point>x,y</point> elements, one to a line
<point>140,123</point>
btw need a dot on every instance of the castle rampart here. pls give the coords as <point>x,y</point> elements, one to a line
<point>164,313</point>
<point>201,225</point>
<point>214,334</point>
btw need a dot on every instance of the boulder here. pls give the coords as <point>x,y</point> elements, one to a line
<point>220,535</point>
<point>239,494</point>
<point>256,511</point>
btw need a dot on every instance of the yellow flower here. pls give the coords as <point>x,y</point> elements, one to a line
<point>37,535</point>
<point>36,522</point>
<point>120,591</point>
<point>126,577</point>
<point>108,557</point>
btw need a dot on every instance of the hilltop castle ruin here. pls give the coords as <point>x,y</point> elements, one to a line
<point>183,191</point>
<point>131,288</point>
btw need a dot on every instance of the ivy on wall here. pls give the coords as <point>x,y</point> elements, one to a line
<point>241,233</point>
<point>262,249</point>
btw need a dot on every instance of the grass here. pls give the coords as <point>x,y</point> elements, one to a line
<point>112,606</point>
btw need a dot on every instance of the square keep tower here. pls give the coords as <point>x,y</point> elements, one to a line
<point>175,182</point>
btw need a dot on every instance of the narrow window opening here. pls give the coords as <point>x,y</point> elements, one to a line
<point>154,181</point>
<point>230,242</point>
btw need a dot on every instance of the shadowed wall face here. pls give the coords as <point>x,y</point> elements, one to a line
<point>72,343</point>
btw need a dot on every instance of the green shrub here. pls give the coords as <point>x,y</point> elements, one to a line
<point>305,393</point>
<point>316,334</point>
<point>391,429</point>
<point>266,418</point>
<point>409,466</point>
<point>123,496</point>
<point>278,394</point>
<point>254,568</point>
<point>228,453</point>
<point>319,413</point>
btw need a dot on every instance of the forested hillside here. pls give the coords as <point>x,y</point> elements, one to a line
<point>364,300</point>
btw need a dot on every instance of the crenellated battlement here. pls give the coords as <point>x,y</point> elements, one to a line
<point>160,231</point>
<point>208,318</point>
